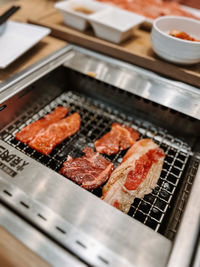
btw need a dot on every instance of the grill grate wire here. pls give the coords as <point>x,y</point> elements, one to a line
<point>96,120</point>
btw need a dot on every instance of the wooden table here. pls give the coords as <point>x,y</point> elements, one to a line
<point>137,50</point>
<point>12,251</point>
<point>31,10</point>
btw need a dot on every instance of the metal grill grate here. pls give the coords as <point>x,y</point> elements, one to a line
<point>96,121</point>
<point>182,198</point>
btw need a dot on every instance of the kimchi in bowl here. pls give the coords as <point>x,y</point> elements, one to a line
<point>176,39</point>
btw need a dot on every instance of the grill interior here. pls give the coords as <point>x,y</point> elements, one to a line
<point>97,118</point>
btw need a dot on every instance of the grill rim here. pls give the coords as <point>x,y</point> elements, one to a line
<point>7,95</point>
<point>102,111</point>
<point>108,235</point>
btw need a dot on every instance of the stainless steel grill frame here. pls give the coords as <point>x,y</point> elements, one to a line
<point>51,252</point>
<point>91,229</point>
<point>97,121</point>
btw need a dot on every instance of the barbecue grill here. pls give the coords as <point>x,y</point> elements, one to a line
<point>159,229</point>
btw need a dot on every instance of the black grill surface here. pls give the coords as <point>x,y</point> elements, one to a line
<point>96,120</point>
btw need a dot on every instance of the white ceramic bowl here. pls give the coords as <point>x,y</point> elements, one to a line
<point>114,24</point>
<point>74,18</point>
<point>174,49</point>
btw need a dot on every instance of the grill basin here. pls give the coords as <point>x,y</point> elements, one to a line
<point>97,119</point>
<point>73,216</point>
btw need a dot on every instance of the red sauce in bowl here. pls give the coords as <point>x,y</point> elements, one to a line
<point>182,35</point>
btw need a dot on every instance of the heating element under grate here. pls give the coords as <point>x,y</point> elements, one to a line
<point>96,120</point>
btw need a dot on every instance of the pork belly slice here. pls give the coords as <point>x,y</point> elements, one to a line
<point>29,132</point>
<point>46,140</point>
<point>119,138</point>
<point>136,176</point>
<point>89,171</point>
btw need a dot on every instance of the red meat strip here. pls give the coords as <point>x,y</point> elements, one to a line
<point>90,171</point>
<point>29,132</point>
<point>47,139</point>
<point>136,176</point>
<point>119,138</point>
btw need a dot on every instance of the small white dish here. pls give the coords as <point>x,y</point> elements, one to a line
<point>174,49</point>
<point>76,12</point>
<point>16,38</point>
<point>114,24</point>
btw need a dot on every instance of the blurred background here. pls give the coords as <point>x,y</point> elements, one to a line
<point>6,1</point>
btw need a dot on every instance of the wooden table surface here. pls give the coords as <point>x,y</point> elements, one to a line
<point>136,50</point>
<point>14,254</point>
<point>12,251</point>
<point>31,10</point>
